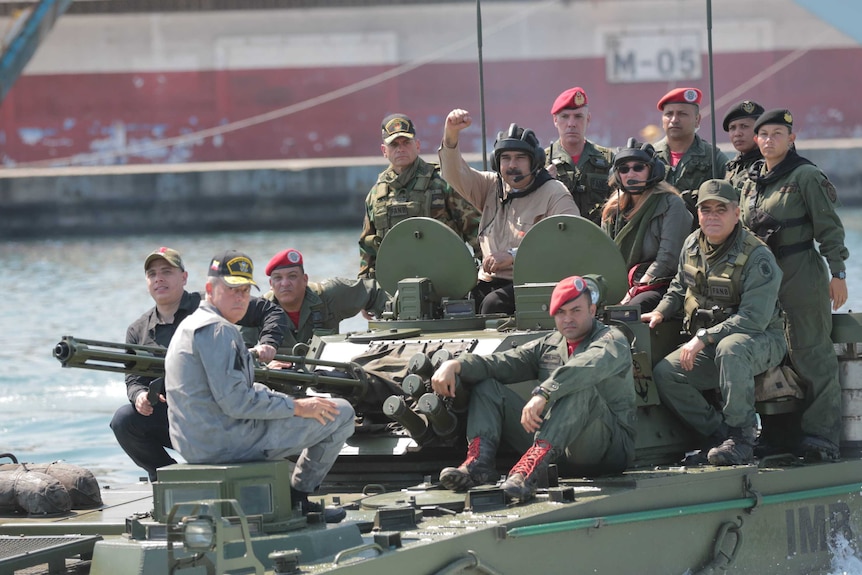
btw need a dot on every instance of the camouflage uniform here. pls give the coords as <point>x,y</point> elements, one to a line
<point>803,201</point>
<point>591,413</point>
<point>324,305</point>
<point>743,282</point>
<point>736,170</point>
<point>693,169</point>
<point>588,180</point>
<point>425,194</point>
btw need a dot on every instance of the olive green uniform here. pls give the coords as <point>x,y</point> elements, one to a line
<point>736,170</point>
<point>418,191</point>
<point>803,201</point>
<point>693,169</point>
<point>591,412</point>
<point>743,282</point>
<point>588,179</point>
<point>325,304</point>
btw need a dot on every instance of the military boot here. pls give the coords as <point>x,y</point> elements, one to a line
<point>715,439</point>
<point>737,449</point>
<point>817,449</point>
<point>479,467</point>
<point>523,479</point>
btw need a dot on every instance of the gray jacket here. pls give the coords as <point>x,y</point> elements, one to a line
<point>668,228</point>
<point>216,411</point>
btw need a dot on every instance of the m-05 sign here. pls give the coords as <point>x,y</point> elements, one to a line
<point>642,56</point>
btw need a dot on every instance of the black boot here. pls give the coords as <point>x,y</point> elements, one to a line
<point>523,479</point>
<point>715,439</point>
<point>479,467</point>
<point>816,449</point>
<point>737,449</point>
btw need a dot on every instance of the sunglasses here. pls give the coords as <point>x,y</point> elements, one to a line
<point>637,168</point>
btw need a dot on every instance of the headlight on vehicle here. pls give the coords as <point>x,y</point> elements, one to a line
<point>198,533</point>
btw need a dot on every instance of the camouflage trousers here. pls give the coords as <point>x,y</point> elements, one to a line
<point>579,426</point>
<point>729,366</point>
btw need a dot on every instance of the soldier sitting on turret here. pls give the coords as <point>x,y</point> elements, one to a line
<point>316,307</point>
<point>582,415</point>
<point>512,199</point>
<point>727,285</point>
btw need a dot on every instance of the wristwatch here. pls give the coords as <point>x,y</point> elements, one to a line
<point>842,275</point>
<point>703,336</point>
<point>539,390</point>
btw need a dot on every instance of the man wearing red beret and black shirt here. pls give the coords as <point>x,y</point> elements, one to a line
<point>688,156</point>
<point>315,308</point>
<point>580,164</point>
<point>582,415</point>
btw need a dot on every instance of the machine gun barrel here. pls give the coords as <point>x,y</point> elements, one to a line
<point>150,361</point>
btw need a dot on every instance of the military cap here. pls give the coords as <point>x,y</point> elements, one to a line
<point>234,267</point>
<point>680,96</point>
<point>289,258</point>
<point>397,126</point>
<point>572,98</point>
<point>779,116</point>
<point>718,190</point>
<point>566,290</point>
<point>169,255</point>
<point>744,109</point>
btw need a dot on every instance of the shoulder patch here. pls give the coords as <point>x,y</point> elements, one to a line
<point>829,190</point>
<point>764,267</point>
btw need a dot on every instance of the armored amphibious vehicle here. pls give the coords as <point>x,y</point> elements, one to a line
<point>782,515</point>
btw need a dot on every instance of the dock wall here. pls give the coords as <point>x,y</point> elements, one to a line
<point>235,196</point>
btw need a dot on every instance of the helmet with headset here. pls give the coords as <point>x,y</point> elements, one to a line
<point>634,151</point>
<point>521,140</point>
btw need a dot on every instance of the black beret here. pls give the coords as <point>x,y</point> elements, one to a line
<point>745,109</point>
<point>781,116</point>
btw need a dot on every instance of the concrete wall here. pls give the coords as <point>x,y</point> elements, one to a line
<point>213,197</point>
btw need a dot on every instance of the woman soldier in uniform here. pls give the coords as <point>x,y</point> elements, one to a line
<point>648,220</point>
<point>789,203</point>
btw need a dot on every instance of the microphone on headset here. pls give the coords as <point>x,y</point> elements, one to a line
<point>521,177</point>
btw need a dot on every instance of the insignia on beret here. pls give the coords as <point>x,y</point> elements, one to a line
<point>690,96</point>
<point>579,99</point>
<point>788,118</point>
<point>293,257</point>
<point>748,106</point>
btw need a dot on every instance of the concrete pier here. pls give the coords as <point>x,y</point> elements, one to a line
<point>239,196</point>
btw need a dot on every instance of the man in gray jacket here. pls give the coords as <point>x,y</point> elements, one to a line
<point>218,414</point>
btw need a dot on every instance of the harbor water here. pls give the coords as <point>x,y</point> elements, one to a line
<point>93,288</point>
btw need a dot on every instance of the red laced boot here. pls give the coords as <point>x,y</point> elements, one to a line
<point>523,479</point>
<point>479,467</point>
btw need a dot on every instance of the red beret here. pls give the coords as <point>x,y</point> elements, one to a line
<point>680,96</point>
<point>289,258</point>
<point>572,98</point>
<point>567,290</point>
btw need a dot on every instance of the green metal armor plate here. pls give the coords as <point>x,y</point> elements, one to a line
<point>426,248</point>
<point>563,245</point>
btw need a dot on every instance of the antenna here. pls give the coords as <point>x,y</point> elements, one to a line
<point>481,84</point>
<point>711,83</point>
